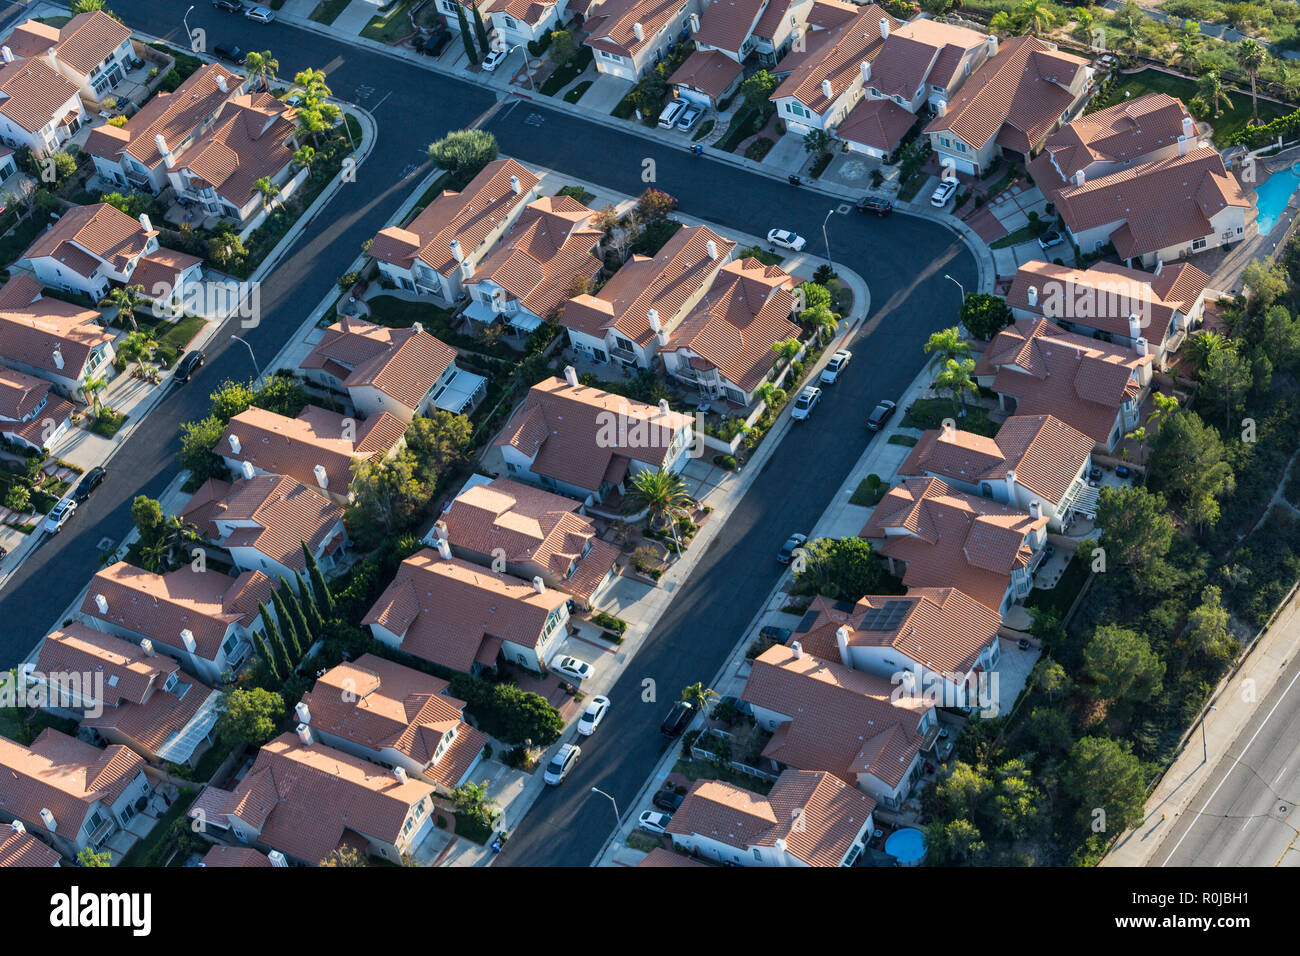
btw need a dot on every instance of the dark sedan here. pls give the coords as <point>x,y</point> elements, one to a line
<point>89,482</point>
<point>879,415</point>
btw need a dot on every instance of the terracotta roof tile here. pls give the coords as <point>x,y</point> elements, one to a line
<point>24,850</point>
<point>879,124</point>
<point>84,42</point>
<point>34,93</point>
<point>611,25</point>
<point>251,139</point>
<point>836,58</point>
<point>33,327</point>
<point>241,856</point>
<point>87,235</point>
<point>727,24</point>
<point>709,71</point>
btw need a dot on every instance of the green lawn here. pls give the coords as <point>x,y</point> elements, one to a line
<point>761,254</point>
<point>1025,233</point>
<point>108,423</point>
<point>707,770</point>
<point>175,336</point>
<point>391,26</point>
<point>576,192</point>
<point>1057,600</point>
<point>327,11</point>
<point>152,849</point>
<point>566,74</point>
<point>868,494</point>
<point>20,237</point>
<point>705,129</point>
<point>742,127</point>
<point>472,830</point>
<point>399,314</point>
<point>930,413</point>
<point>575,94</point>
<point>907,441</point>
<point>1228,122</point>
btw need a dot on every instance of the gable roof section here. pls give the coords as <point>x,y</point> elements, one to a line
<point>87,235</point>
<point>33,93</point>
<point>611,25</point>
<point>33,327</point>
<point>837,58</point>
<point>82,43</point>
<point>404,364</point>
<point>24,850</point>
<point>250,140</point>
<point>128,674</point>
<point>727,24</point>
<point>709,71</point>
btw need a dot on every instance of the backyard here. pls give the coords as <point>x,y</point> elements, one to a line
<point>1230,121</point>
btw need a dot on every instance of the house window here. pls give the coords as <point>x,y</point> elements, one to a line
<point>1198,244</point>
<point>92,824</point>
<point>961,147</point>
<point>229,646</point>
<point>622,343</point>
<point>944,141</point>
<point>510,23</point>
<point>757,854</point>
<point>448,6</point>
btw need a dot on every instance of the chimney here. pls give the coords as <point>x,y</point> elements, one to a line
<point>444,549</point>
<point>101,603</point>
<point>1189,127</point>
<point>47,818</point>
<point>949,431</point>
<point>538,584</point>
<point>221,83</point>
<point>711,248</point>
<point>304,734</point>
<point>865,69</point>
<point>187,639</point>
<point>1184,144</point>
<point>663,406</point>
<point>571,376</point>
<point>322,479</point>
<point>639,31</point>
<point>1141,346</point>
<point>842,641</point>
<point>1160,266</point>
<point>1035,509</point>
<point>514,185</point>
<point>652,316</point>
<point>145,222</point>
<point>1011,487</point>
<point>1080,178</point>
<point>884,28</point>
<point>827,90</point>
<point>7,53</point>
<point>166,153</point>
<point>17,825</point>
<point>246,468</point>
<point>146,647</point>
<point>695,23</point>
<point>277,858</point>
<point>58,358</point>
<point>1033,295</point>
<point>941,108</point>
<point>303,712</point>
<point>798,649</point>
<point>234,444</point>
<point>52,58</point>
<point>466,269</point>
<point>1134,326</point>
<point>456,252</point>
<point>992,41</point>
<point>417,327</point>
<point>400,774</point>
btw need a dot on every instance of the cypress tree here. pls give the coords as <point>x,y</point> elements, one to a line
<point>291,602</point>
<point>465,35</point>
<point>481,32</point>
<point>315,625</point>
<point>275,642</point>
<point>262,649</point>
<point>292,640</point>
<point>319,589</point>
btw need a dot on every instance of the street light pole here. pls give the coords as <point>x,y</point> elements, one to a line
<point>618,820</point>
<point>185,19</point>
<point>825,237</point>
<point>258,383</point>
<point>960,287</point>
<point>527,72</point>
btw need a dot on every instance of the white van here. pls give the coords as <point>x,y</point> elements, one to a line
<point>668,118</point>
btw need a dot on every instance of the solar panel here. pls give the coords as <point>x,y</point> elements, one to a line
<point>887,617</point>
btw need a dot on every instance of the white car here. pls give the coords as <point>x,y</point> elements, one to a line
<point>654,821</point>
<point>494,59</point>
<point>593,715</point>
<point>260,14</point>
<point>787,239</point>
<point>59,515</point>
<point>804,404</point>
<point>572,668</point>
<point>562,763</point>
<point>838,363</point>
<point>942,193</point>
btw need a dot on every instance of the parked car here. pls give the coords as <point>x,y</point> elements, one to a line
<point>59,515</point>
<point>792,543</point>
<point>654,821</point>
<point>839,361</point>
<point>494,59</point>
<point>881,207</point>
<point>678,719</point>
<point>259,14</point>
<point>787,239</point>
<point>1050,238</point>
<point>668,118</point>
<point>593,715</point>
<point>562,763</point>
<point>572,668</point>
<point>230,6</point>
<point>1122,471</point>
<point>189,364</point>
<point>781,635</point>
<point>942,193</point>
<point>88,483</point>
<point>879,415</point>
<point>806,402</point>
<point>690,116</point>
<point>742,706</point>
<point>434,44</point>
<point>228,52</point>
<point>668,800</point>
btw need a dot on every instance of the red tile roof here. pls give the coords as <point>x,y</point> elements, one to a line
<point>879,124</point>
<point>32,328</point>
<point>611,25</point>
<point>726,24</point>
<point>24,850</point>
<point>34,94</point>
<point>836,58</point>
<point>84,42</point>
<point>404,364</point>
<point>241,856</point>
<point>708,71</point>
<point>106,233</point>
<point>250,140</point>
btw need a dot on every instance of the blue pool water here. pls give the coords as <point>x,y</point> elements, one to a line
<point>1272,196</point>
<point>906,846</point>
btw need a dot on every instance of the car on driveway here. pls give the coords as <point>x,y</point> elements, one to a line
<point>838,363</point>
<point>942,193</point>
<point>59,515</point>
<point>787,239</point>
<point>792,544</point>
<point>88,483</point>
<point>668,118</point>
<point>592,716</point>
<point>572,668</point>
<point>494,59</point>
<point>668,800</point>
<point>1050,238</point>
<point>188,365</point>
<point>781,635</point>
<point>654,821</point>
<point>434,44</point>
<point>260,14</point>
<point>562,763</point>
<point>690,116</point>
<point>879,415</point>
<point>806,402</point>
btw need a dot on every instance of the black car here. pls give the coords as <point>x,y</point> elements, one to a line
<point>230,6</point>
<point>781,635</point>
<point>228,52</point>
<point>881,207</point>
<point>668,800</point>
<point>89,482</point>
<point>188,365</point>
<point>879,415</point>
<point>434,44</point>
<point>678,719</point>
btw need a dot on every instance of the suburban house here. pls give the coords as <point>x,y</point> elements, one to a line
<point>135,155</point>
<point>934,537</point>
<point>783,22</point>
<point>1037,368</point>
<point>536,534</point>
<point>39,109</point>
<point>92,246</point>
<point>1010,104</point>
<point>723,348</point>
<point>940,641</point>
<point>1033,458</point>
<point>263,523</point>
<point>8,164</point>
<point>62,343</point>
<point>827,79</point>
<point>1143,130</point>
<point>437,252</point>
<point>240,856</point>
<point>92,50</point>
<point>635,312</point>
<point>404,372</point>
<point>550,250</point>
<point>70,793</point>
<point>509,21</point>
<point>395,716</point>
<point>1160,211</point>
<point>318,447</point>
<point>921,64</point>
<point>724,39</point>
<point>1114,302</point>
<point>203,619</point>
<point>30,414</point>
<point>304,800</point>
<point>442,609</point>
<point>825,716</point>
<point>631,36</point>
<point>128,694</point>
<point>18,848</point>
<point>580,441</point>
<point>810,818</point>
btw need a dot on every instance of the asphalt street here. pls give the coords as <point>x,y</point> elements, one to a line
<point>903,260</point>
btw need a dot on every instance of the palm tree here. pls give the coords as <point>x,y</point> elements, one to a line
<point>699,697</point>
<point>662,494</point>
<point>126,299</point>
<point>1033,18</point>
<point>957,381</point>
<point>135,347</point>
<point>310,85</point>
<point>787,348</point>
<point>1001,23</point>
<point>268,190</point>
<point>1211,90</point>
<point>1128,22</point>
<point>304,156</point>
<point>1204,344</point>
<point>91,388</point>
<point>816,141</point>
<point>822,320</point>
<point>1187,47</point>
<point>263,66</point>
<point>946,345</point>
<point>1165,405</point>
<point>1251,57</point>
<point>772,396</point>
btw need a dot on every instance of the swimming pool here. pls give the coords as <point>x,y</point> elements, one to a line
<point>1272,196</point>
